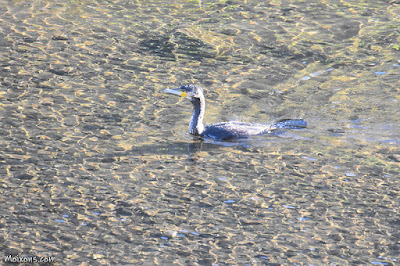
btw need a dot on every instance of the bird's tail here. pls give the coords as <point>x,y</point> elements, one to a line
<point>289,124</point>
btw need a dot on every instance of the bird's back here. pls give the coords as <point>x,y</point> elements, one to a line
<point>230,130</point>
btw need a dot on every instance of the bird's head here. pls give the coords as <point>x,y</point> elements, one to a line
<point>190,92</point>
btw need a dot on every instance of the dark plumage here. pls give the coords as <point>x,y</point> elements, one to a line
<point>225,130</point>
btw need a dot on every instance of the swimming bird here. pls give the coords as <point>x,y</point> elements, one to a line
<point>225,130</point>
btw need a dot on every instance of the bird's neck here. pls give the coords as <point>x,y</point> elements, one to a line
<point>196,126</point>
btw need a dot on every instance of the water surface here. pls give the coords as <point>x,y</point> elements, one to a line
<point>97,165</point>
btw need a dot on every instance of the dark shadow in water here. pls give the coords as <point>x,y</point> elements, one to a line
<point>182,147</point>
<point>192,148</point>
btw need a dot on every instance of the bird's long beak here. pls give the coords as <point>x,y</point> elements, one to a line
<point>176,92</point>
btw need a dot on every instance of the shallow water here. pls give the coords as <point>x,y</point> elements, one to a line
<point>98,168</point>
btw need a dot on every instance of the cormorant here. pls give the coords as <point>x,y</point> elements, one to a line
<point>225,130</point>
